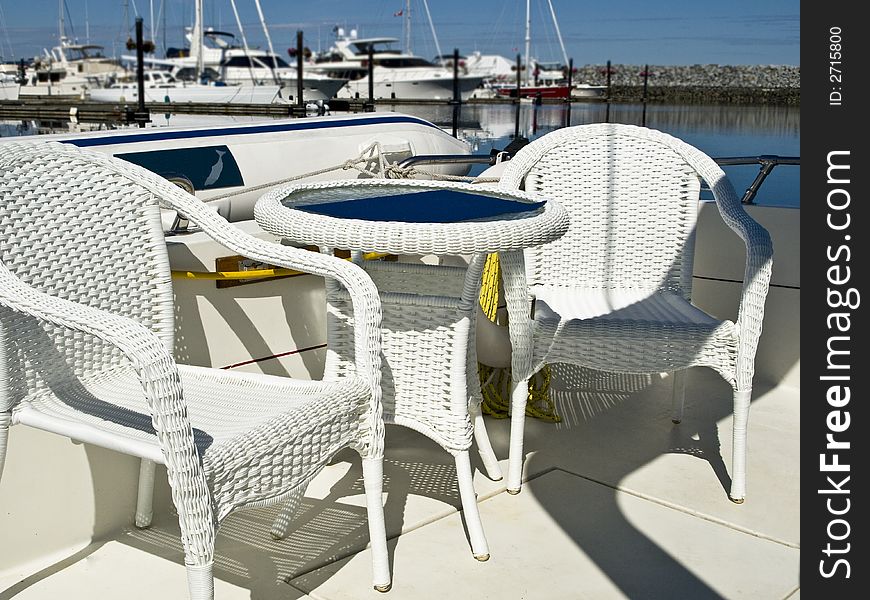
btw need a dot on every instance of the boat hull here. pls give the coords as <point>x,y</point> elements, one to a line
<point>9,90</point>
<point>312,89</point>
<point>534,91</point>
<point>227,94</point>
<point>404,87</point>
<point>257,154</point>
<point>588,91</point>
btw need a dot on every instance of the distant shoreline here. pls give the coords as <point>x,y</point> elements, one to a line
<point>698,84</point>
<point>706,95</point>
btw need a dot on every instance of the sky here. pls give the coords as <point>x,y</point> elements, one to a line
<point>664,32</point>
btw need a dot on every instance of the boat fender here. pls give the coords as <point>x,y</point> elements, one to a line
<point>493,342</point>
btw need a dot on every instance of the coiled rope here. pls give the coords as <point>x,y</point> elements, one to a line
<point>382,169</point>
<point>495,382</point>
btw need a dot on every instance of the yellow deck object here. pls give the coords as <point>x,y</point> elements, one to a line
<point>495,383</point>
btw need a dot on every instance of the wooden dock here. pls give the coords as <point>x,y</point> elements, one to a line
<point>85,111</point>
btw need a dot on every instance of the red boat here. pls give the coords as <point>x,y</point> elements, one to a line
<point>534,91</point>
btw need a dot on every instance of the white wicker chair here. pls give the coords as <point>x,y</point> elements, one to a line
<point>86,333</point>
<point>614,293</point>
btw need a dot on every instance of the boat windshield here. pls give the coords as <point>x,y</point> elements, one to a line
<point>271,61</point>
<point>258,62</point>
<point>83,52</point>
<point>362,48</point>
<point>403,62</point>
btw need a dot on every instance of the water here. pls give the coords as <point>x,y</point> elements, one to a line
<point>717,130</point>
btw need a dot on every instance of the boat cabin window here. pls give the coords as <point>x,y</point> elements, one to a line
<point>237,61</point>
<point>83,52</point>
<point>362,48</point>
<point>403,63</point>
<point>267,61</point>
<point>258,62</point>
<point>189,74</point>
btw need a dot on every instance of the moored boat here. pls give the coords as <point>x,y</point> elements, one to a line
<point>161,86</point>
<point>395,74</point>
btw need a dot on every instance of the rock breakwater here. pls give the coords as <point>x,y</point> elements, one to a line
<point>698,83</point>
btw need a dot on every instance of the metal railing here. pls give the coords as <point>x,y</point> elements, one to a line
<point>767,163</point>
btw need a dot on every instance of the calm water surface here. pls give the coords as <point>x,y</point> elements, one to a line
<point>717,130</point>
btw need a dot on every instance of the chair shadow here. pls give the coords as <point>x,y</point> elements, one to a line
<point>325,530</point>
<point>301,301</point>
<point>615,416</point>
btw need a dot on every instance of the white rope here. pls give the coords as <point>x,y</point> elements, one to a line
<point>372,152</point>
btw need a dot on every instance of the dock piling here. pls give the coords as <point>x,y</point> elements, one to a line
<point>519,86</point>
<point>141,116</point>
<point>457,98</point>
<point>300,100</point>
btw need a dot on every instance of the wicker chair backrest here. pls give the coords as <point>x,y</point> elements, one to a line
<point>82,231</point>
<point>632,199</point>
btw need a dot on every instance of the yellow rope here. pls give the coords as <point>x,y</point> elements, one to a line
<point>495,383</point>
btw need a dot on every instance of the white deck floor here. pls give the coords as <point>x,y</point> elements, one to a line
<point>619,503</point>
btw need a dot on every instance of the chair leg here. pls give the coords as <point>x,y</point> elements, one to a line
<point>145,496</point>
<point>200,581</point>
<point>479,547</point>
<point>484,447</point>
<point>373,480</point>
<point>281,525</point>
<point>519,397</point>
<point>5,424</point>
<point>679,399</point>
<point>738,450</point>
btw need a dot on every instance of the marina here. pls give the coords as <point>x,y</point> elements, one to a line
<point>480,325</point>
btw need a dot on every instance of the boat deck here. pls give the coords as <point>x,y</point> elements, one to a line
<point>619,503</point>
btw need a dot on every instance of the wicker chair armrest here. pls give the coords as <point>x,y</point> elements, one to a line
<point>154,366</point>
<point>759,255</point>
<point>364,294</point>
<point>363,291</point>
<point>756,276</point>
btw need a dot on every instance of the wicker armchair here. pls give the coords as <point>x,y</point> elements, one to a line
<point>614,293</point>
<point>86,332</point>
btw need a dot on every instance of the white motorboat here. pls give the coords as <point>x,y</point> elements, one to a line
<point>161,86</point>
<point>69,69</point>
<point>395,74</point>
<point>588,90</point>
<point>259,67</point>
<point>223,61</point>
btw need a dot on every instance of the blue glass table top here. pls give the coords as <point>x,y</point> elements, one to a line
<point>431,206</point>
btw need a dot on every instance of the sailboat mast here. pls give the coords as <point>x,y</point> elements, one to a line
<point>434,35</point>
<point>60,28</point>
<point>196,38</point>
<point>268,40</point>
<point>558,33</point>
<point>408,27</point>
<point>528,40</point>
<point>244,43</point>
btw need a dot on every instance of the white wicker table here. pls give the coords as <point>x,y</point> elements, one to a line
<point>429,373</point>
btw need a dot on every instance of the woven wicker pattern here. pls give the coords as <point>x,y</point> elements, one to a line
<point>507,232</point>
<point>614,292</point>
<point>86,317</point>
<point>429,381</point>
